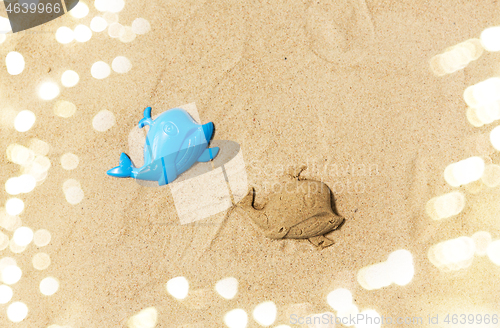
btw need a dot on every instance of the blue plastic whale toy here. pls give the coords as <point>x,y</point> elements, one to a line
<point>173,144</point>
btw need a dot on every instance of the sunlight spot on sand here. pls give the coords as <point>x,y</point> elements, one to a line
<point>9,222</point>
<point>453,254</point>
<point>38,168</point>
<point>11,274</point>
<point>111,18</point>
<point>446,205</point>
<point>178,287</point>
<point>7,261</point>
<point>18,185</point>
<point>69,161</point>
<point>48,91</point>
<point>64,108</point>
<point>80,10</point>
<point>472,117</point>
<point>98,24</point>
<point>371,319</point>
<point>227,288</point>
<point>400,267</point>
<point>482,240</point>
<point>126,34</point>
<point>15,63</point>
<point>101,5</point>
<point>115,6</point>
<point>82,33</point>
<point>121,64</point>
<point>20,155</point>
<point>74,195</point>
<point>236,318</point>
<point>140,26</point>
<point>70,78</point>
<point>464,171</point>
<point>17,311</point>
<point>23,236</point>
<point>64,35</point>
<point>15,248</point>
<point>493,252</point>
<point>49,286</point>
<point>347,314</point>
<point>146,318</point>
<point>5,25</point>
<point>339,299</point>
<point>483,93</point>
<point>495,137</point>
<point>5,294</point>
<point>100,70</point>
<point>115,30</point>
<point>490,38</point>
<point>103,120</point>
<point>491,175</point>
<point>41,261</point>
<point>42,237</point>
<point>14,206</point>
<point>24,120</point>
<point>39,147</point>
<point>4,241</point>
<point>456,57</point>
<point>397,269</point>
<point>70,183</point>
<point>265,313</point>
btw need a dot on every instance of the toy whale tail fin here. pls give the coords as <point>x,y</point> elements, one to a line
<point>147,118</point>
<point>124,170</point>
<point>208,130</point>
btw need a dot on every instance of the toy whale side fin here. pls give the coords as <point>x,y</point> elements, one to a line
<point>208,154</point>
<point>124,170</point>
<point>169,173</point>
<point>147,118</point>
<point>208,131</point>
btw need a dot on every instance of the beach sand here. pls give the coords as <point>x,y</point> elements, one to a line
<point>344,88</point>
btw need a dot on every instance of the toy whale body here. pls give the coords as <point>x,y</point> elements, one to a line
<point>173,144</point>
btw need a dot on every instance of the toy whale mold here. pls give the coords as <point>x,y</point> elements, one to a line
<point>173,144</point>
<point>302,210</point>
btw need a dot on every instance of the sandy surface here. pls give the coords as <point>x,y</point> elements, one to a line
<point>342,87</point>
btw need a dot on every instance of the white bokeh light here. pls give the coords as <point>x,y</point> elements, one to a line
<point>49,286</point>
<point>227,288</point>
<point>5,294</point>
<point>146,318</point>
<point>64,35</point>
<point>126,34</point>
<point>236,318</point>
<point>11,274</point>
<point>115,29</point>
<point>42,238</point>
<point>82,33</point>
<point>41,261</point>
<point>100,70</point>
<point>121,64</point>
<point>17,311</point>
<point>98,24</point>
<point>103,120</point>
<point>48,91</point>
<point>265,313</point>
<point>140,26</point>
<point>70,78</point>
<point>69,161</point>
<point>178,287</point>
<point>23,236</point>
<point>24,120</point>
<point>80,10</point>
<point>14,206</point>
<point>339,299</point>
<point>490,38</point>
<point>15,63</point>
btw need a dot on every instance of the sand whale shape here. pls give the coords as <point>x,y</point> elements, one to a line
<point>301,209</point>
<point>173,144</point>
